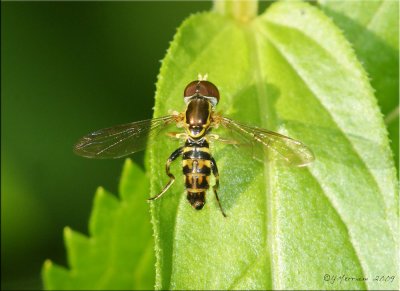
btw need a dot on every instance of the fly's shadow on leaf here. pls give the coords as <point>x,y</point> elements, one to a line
<point>231,158</point>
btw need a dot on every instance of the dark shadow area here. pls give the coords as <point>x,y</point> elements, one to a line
<point>240,165</point>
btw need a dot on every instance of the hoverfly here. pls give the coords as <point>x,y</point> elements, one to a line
<point>198,120</point>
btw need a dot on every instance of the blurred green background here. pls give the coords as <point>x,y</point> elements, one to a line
<point>69,68</point>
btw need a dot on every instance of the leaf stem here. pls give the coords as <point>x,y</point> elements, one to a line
<point>240,10</point>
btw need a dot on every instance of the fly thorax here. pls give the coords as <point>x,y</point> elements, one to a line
<point>197,117</point>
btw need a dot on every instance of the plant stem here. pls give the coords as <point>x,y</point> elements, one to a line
<point>240,10</point>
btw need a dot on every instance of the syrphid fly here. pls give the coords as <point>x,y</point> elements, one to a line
<point>199,121</point>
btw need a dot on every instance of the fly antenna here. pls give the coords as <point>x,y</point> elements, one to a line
<point>202,77</point>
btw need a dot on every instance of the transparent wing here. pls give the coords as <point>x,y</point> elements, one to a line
<point>121,140</point>
<point>285,148</point>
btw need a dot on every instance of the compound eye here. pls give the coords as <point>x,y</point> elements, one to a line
<point>202,88</point>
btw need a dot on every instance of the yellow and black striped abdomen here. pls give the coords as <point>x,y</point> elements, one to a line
<point>196,166</point>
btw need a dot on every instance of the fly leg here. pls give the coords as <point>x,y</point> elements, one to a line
<point>215,187</point>
<point>171,158</point>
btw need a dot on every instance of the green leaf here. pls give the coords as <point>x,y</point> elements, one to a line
<point>373,29</point>
<point>119,252</point>
<point>289,70</point>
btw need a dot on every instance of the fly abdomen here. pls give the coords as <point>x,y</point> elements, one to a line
<point>197,174</point>
<point>197,199</point>
<point>196,166</point>
<point>197,170</point>
<point>196,182</point>
<point>202,153</point>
